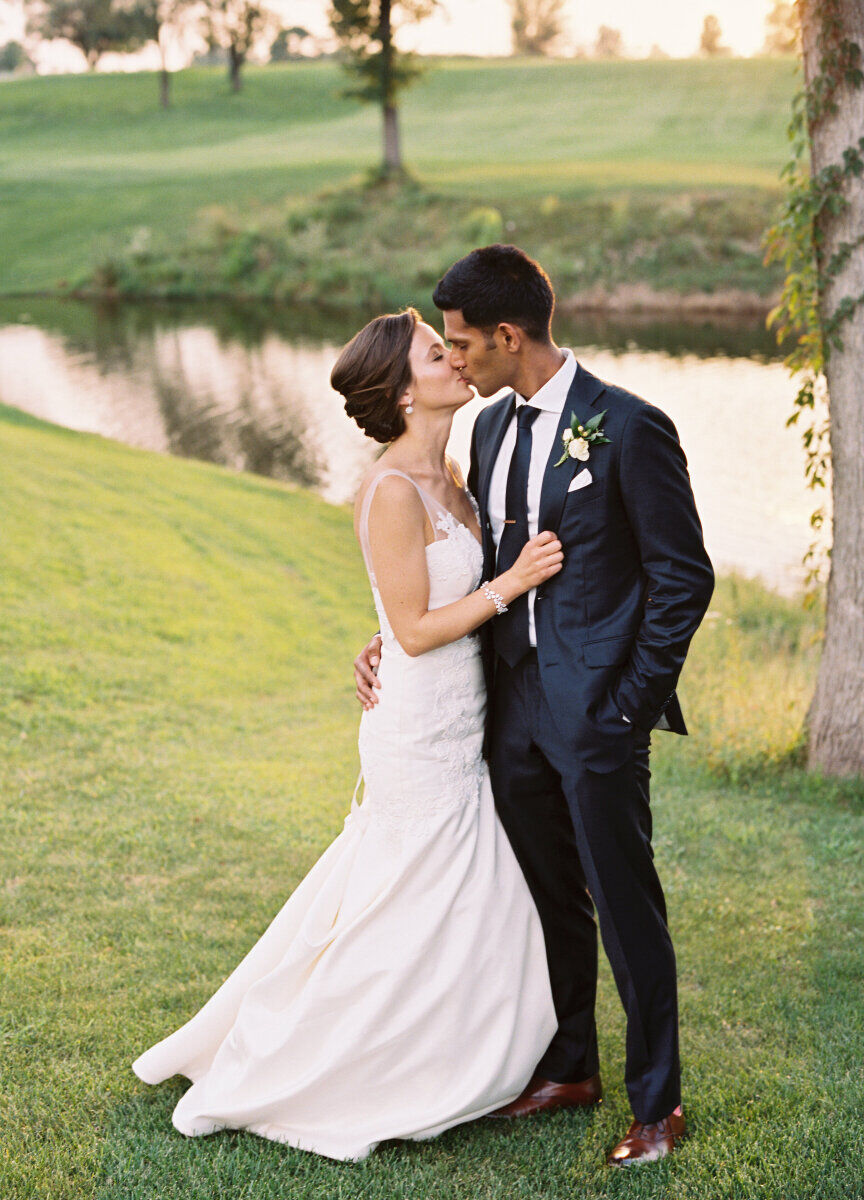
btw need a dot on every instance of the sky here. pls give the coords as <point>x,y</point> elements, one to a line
<point>483,26</point>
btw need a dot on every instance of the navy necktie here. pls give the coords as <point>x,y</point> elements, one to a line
<point>510,630</point>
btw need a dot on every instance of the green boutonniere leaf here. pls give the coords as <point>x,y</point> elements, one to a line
<point>595,421</point>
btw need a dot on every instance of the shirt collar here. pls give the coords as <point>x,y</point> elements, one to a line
<point>552,395</point>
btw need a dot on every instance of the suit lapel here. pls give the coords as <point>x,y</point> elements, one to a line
<point>581,399</point>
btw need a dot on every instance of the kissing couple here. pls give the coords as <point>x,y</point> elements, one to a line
<point>439,962</point>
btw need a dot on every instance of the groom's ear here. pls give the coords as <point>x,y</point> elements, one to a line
<point>509,337</point>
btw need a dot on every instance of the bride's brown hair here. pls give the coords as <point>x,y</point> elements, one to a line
<point>373,371</point>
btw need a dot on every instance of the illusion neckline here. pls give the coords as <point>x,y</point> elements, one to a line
<point>462,525</point>
<point>449,513</point>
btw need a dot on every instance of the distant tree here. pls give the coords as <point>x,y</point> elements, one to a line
<point>365,31</point>
<point>536,24</point>
<point>93,26</point>
<point>782,29</point>
<point>609,43</point>
<point>236,25</point>
<point>154,22</point>
<point>13,57</point>
<point>710,43</point>
<point>286,44</point>
<point>657,52</point>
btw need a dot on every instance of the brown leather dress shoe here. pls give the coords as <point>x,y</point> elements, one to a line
<point>543,1095</point>
<point>647,1143</point>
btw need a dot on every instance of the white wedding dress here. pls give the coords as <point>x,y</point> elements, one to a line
<point>403,988</point>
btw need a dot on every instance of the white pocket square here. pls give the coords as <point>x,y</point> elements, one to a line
<point>581,480</point>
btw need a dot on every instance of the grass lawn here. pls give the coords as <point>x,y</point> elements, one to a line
<point>178,737</point>
<point>88,160</point>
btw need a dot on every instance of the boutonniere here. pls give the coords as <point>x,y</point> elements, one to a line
<point>579,439</point>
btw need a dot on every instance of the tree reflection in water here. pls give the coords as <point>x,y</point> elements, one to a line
<point>229,409</point>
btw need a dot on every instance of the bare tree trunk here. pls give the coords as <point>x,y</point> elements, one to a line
<point>836,717</point>
<point>164,74</point>
<point>392,144</point>
<point>235,62</point>
<point>392,147</point>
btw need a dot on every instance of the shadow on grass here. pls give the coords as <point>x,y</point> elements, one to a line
<point>145,1157</point>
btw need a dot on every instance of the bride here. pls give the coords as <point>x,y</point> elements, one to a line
<point>403,987</point>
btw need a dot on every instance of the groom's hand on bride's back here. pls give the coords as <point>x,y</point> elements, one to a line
<point>365,668</point>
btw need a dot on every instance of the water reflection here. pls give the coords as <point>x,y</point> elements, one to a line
<point>248,388</point>
<point>221,403</point>
<point>180,387</point>
<point>109,329</point>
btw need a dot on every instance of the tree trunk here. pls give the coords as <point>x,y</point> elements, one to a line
<point>836,718</point>
<point>392,145</point>
<point>164,74</point>
<point>235,62</point>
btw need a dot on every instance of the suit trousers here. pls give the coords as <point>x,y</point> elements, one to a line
<point>583,837</point>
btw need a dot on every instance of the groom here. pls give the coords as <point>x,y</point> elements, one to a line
<point>580,670</point>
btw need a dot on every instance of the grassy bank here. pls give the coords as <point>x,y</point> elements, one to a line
<point>595,166</point>
<point>368,248</point>
<point>179,745</point>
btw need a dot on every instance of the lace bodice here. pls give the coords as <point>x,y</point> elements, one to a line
<point>420,746</point>
<point>454,560</point>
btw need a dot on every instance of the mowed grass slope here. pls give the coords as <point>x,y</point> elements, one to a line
<point>87,160</point>
<point>179,745</point>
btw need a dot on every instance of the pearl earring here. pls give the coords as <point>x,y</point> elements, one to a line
<point>409,408</point>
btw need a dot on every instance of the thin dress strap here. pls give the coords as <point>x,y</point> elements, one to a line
<point>434,511</point>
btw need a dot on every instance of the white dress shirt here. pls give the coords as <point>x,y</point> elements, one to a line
<point>550,400</point>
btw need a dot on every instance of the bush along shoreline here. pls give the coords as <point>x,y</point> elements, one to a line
<point>381,246</point>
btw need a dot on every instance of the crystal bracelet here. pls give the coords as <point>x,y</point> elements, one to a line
<point>496,598</point>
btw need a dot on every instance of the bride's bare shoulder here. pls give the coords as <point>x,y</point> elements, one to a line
<point>393,482</point>
<point>396,497</point>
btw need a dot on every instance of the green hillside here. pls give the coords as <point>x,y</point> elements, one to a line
<point>179,745</point>
<point>89,160</point>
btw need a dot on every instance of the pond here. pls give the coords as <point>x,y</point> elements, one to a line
<point>248,388</point>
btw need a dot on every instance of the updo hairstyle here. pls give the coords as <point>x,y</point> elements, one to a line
<point>373,371</point>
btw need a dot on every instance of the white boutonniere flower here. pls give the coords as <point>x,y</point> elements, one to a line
<point>579,439</point>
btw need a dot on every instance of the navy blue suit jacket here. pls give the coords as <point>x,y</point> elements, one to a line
<point>614,625</point>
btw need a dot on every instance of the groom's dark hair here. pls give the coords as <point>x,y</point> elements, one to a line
<point>499,283</point>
